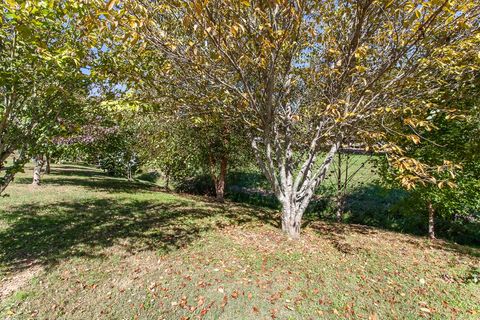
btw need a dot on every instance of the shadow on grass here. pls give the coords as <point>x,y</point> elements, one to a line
<point>83,176</point>
<point>371,208</point>
<point>337,234</point>
<point>46,234</point>
<point>75,170</point>
<point>397,210</point>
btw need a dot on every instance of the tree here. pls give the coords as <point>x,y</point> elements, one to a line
<point>183,129</point>
<point>183,146</point>
<point>40,53</point>
<point>450,144</point>
<point>309,74</point>
<point>98,137</point>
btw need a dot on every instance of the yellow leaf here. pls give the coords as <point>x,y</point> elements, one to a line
<point>234,30</point>
<point>110,4</point>
<point>414,138</point>
<point>451,184</point>
<point>418,14</point>
<point>361,68</point>
<point>245,3</point>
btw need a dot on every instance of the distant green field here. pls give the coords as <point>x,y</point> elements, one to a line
<point>87,246</point>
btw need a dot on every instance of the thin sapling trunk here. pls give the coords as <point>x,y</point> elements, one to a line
<point>431,220</point>
<point>47,164</point>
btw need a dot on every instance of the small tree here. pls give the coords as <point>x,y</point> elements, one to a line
<point>40,53</point>
<point>450,87</point>
<point>184,145</point>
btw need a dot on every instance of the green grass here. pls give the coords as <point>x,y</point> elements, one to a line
<point>87,246</point>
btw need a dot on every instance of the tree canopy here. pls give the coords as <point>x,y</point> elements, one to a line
<point>308,75</point>
<point>41,85</point>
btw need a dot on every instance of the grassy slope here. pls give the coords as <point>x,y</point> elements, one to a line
<point>117,250</point>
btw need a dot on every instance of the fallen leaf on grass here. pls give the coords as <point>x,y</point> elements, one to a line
<point>225,301</point>
<point>273,313</point>
<point>206,309</point>
<point>425,310</point>
<point>183,302</point>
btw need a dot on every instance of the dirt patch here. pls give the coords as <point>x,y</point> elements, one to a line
<point>15,281</point>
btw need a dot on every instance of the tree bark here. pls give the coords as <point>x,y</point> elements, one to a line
<point>339,188</point>
<point>167,180</point>
<point>431,221</point>
<point>220,180</point>
<point>291,220</point>
<point>339,205</point>
<point>293,189</point>
<point>129,171</point>
<point>37,170</point>
<point>47,164</point>
<point>3,157</point>
<point>6,181</point>
<point>10,172</point>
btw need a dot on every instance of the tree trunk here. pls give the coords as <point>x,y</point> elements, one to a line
<point>291,220</point>
<point>431,221</point>
<point>3,157</point>
<point>220,180</point>
<point>339,188</point>
<point>6,181</point>
<point>47,165</point>
<point>37,170</point>
<point>167,180</point>
<point>129,171</point>
<point>339,205</point>
<point>10,172</point>
<point>293,189</point>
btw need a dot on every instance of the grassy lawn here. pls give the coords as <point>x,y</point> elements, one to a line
<point>87,246</point>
